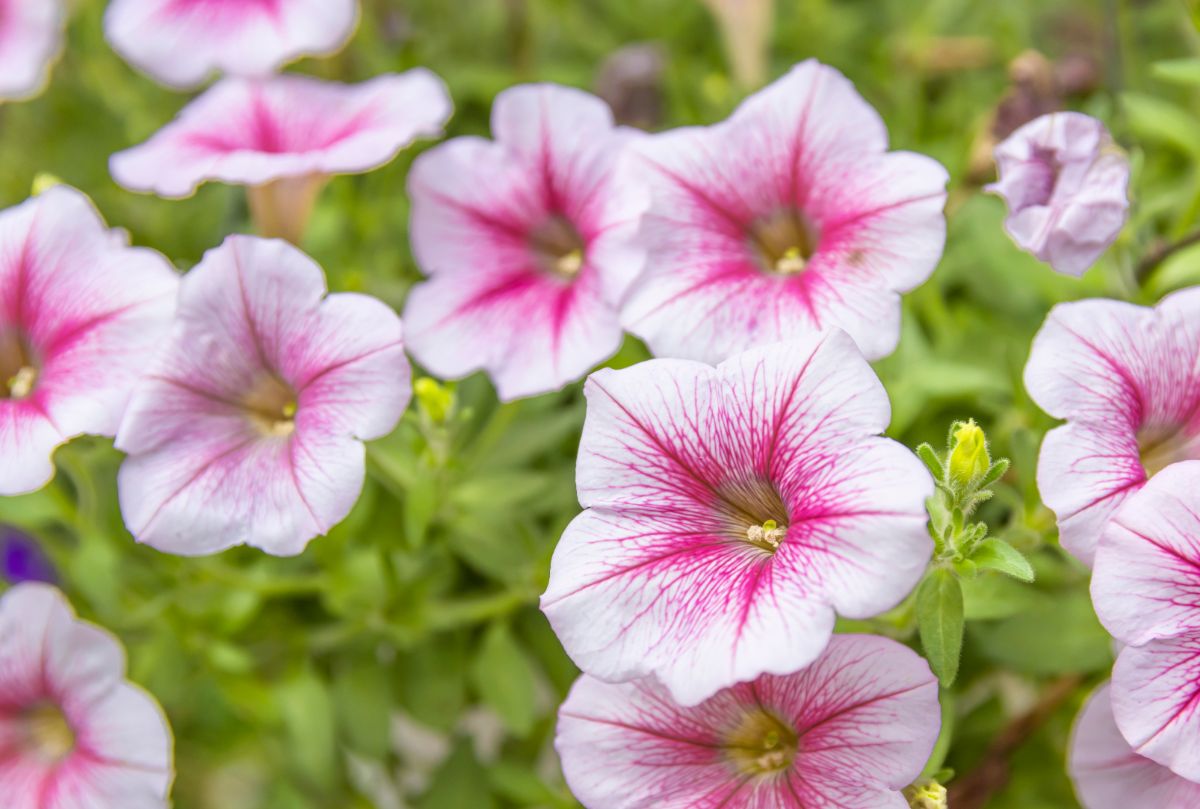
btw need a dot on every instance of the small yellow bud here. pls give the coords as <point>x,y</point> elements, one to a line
<point>435,399</point>
<point>931,795</point>
<point>969,459</point>
<point>44,181</point>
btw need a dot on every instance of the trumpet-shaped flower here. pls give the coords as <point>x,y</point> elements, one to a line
<point>73,732</point>
<point>81,313</point>
<point>284,137</point>
<point>848,732</point>
<point>1064,181</point>
<point>183,42</point>
<point>730,513</point>
<point>528,242</point>
<point>1108,774</point>
<point>1126,380</point>
<point>31,34</point>
<point>250,428</point>
<point>789,218</point>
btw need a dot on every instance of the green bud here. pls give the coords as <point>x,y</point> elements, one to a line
<point>434,399</point>
<point>969,459</point>
<point>930,795</point>
<point>44,181</point>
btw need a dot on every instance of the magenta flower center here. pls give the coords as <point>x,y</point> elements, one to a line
<point>753,511</point>
<point>1161,447</point>
<point>783,242</point>
<point>558,248</point>
<point>18,370</point>
<point>271,406</point>
<point>44,732</point>
<point>762,744</point>
<point>1042,177</point>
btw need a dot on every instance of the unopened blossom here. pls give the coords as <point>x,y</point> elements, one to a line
<point>284,138</point>
<point>850,731</point>
<point>73,731</point>
<point>181,43</point>
<point>1126,379</point>
<point>22,558</point>
<point>31,37</point>
<point>731,514</point>
<point>528,242</point>
<point>81,314</point>
<point>1064,181</point>
<point>788,218</point>
<point>250,427</point>
<point>1108,774</point>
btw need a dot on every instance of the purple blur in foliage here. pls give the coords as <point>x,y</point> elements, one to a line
<point>22,558</point>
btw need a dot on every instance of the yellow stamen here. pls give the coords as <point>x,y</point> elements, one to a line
<point>792,262</point>
<point>767,536</point>
<point>21,385</point>
<point>570,264</point>
<point>47,733</point>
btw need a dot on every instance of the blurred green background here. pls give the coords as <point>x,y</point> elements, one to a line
<point>401,661</point>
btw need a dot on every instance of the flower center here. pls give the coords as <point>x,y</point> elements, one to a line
<point>558,249</point>
<point>18,371</point>
<point>271,405</point>
<point>46,733</point>
<point>1159,448</point>
<point>783,242</point>
<point>761,745</point>
<point>766,536</point>
<point>754,512</point>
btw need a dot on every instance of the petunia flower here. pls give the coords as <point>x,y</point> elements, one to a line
<point>22,558</point>
<point>81,313</point>
<point>1108,774</point>
<point>850,732</point>
<point>250,428</point>
<point>31,37</point>
<point>529,243</point>
<point>1125,379</point>
<point>284,138</point>
<point>183,42</point>
<point>1064,181</point>
<point>731,513</point>
<point>73,732</point>
<point>789,218</point>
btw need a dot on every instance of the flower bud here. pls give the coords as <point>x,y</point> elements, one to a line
<point>969,459</point>
<point>931,795</point>
<point>434,399</point>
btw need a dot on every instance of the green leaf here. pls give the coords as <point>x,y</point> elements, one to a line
<point>995,473</point>
<point>1178,71</point>
<point>504,678</point>
<point>307,711</point>
<point>1156,120</point>
<point>362,696</point>
<point>432,686</point>
<point>460,783</point>
<point>1058,636</point>
<point>990,596</point>
<point>420,505</point>
<point>996,554</point>
<point>927,454</point>
<point>940,620</point>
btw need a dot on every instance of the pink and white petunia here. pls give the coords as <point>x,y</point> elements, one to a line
<point>31,37</point>
<point>848,732</point>
<point>731,514</point>
<point>81,314</point>
<point>181,43</point>
<point>284,137</point>
<point>1064,181</point>
<point>1127,381</point>
<point>73,732</point>
<point>788,218</point>
<point>250,428</point>
<point>528,241</point>
<point>1108,774</point>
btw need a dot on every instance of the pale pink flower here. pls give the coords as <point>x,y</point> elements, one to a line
<point>250,428</point>
<point>848,732</point>
<point>81,313</point>
<point>31,37</point>
<point>181,43</point>
<point>73,732</point>
<point>1127,381</point>
<point>1108,774</point>
<point>786,219</point>
<point>731,513</point>
<point>1064,181</point>
<point>284,137</point>
<point>528,240</point>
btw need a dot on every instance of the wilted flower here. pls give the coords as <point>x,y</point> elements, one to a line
<point>250,427</point>
<point>1108,774</point>
<point>528,242</point>
<point>730,513</point>
<point>22,558</point>
<point>1064,181</point>
<point>1126,380</point>
<point>850,731</point>
<point>183,42</point>
<point>789,218</point>
<point>81,313</point>
<point>73,732</point>
<point>284,137</point>
<point>31,36</point>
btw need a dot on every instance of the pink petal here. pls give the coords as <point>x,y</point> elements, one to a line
<point>248,132</point>
<point>182,42</point>
<point>31,36</point>
<point>1109,775</point>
